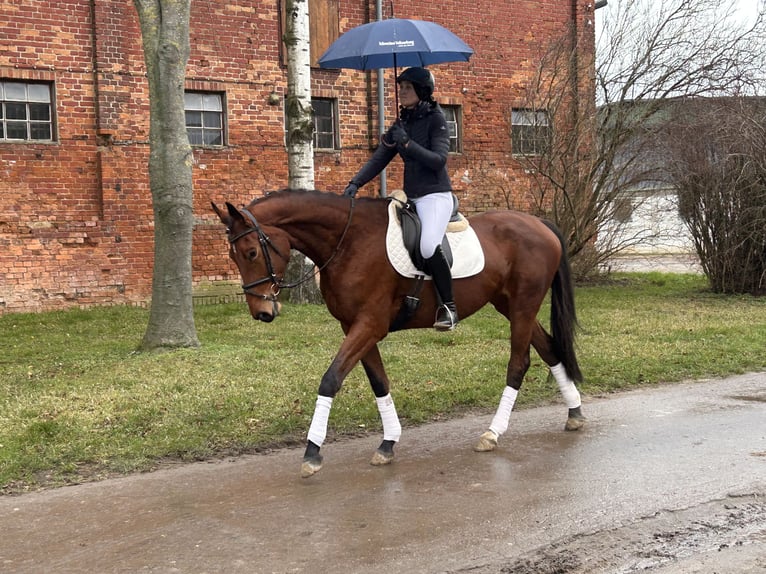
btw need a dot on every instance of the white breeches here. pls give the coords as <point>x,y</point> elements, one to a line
<point>434,211</point>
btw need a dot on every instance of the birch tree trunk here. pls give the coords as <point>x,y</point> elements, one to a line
<point>165,36</point>
<point>300,122</point>
<point>300,134</point>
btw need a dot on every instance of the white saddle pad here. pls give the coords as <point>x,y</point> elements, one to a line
<point>467,255</point>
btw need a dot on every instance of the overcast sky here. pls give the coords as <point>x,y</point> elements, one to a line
<point>745,10</point>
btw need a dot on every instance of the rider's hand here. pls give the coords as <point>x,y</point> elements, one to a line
<point>351,190</point>
<point>399,135</point>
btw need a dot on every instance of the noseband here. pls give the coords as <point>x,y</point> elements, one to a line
<point>276,283</point>
<point>265,242</point>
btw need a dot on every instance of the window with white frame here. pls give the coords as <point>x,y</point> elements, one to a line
<point>204,118</point>
<point>454,125</point>
<point>530,132</point>
<point>26,111</point>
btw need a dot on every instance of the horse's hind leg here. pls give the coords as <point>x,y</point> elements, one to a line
<point>543,344</point>
<point>392,428</point>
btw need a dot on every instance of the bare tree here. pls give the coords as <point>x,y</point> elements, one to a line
<point>165,36</point>
<point>597,156</point>
<point>716,152</point>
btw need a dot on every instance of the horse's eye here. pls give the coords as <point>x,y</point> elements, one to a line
<point>252,254</point>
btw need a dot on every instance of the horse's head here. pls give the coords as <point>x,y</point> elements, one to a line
<point>260,258</point>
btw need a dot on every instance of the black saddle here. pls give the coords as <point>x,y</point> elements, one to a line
<point>411,230</point>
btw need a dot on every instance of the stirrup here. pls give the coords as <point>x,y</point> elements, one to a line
<point>446,319</point>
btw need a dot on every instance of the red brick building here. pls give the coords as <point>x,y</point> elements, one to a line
<point>76,219</point>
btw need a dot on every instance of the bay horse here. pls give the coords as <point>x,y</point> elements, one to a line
<point>345,237</point>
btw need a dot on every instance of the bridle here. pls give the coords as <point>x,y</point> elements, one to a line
<point>277,284</point>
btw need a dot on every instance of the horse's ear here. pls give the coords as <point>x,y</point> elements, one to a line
<point>224,219</point>
<point>234,213</point>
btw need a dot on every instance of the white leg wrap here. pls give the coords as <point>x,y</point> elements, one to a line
<point>392,429</point>
<point>566,386</point>
<point>503,415</point>
<point>318,428</point>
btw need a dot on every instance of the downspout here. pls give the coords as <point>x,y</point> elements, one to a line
<point>381,102</point>
<point>103,138</point>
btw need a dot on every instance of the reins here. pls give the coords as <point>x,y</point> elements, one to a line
<point>265,242</point>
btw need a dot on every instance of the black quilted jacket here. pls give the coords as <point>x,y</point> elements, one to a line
<point>425,157</point>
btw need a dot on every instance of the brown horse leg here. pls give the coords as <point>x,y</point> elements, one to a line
<point>543,344</point>
<point>518,364</point>
<point>392,429</point>
<point>357,343</point>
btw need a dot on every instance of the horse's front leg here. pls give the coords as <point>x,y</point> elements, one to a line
<point>356,344</point>
<point>518,365</point>
<point>328,388</point>
<point>392,428</point>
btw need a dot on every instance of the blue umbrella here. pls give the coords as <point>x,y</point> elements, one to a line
<point>395,42</point>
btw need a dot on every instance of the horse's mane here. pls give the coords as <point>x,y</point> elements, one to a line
<point>293,193</point>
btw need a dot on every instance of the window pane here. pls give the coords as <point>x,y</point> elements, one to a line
<point>16,111</point>
<point>40,131</point>
<point>322,107</point>
<point>324,141</point>
<point>212,119</point>
<point>192,101</point>
<point>16,130</point>
<point>39,93</point>
<point>212,137</point>
<point>323,124</point>
<point>211,102</point>
<point>15,91</point>
<point>193,119</point>
<point>40,112</point>
<point>522,117</point>
<point>195,136</point>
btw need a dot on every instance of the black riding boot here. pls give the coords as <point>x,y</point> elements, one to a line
<point>446,313</point>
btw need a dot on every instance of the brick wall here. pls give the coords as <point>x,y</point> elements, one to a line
<point>76,218</point>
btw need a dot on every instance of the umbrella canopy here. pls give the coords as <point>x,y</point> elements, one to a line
<point>393,43</point>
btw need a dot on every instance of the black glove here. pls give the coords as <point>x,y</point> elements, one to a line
<point>399,136</point>
<point>351,190</point>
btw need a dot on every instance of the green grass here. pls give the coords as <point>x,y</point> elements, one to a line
<point>77,402</point>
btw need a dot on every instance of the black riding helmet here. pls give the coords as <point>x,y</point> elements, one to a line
<point>422,80</point>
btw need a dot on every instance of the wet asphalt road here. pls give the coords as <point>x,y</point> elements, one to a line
<point>439,508</point>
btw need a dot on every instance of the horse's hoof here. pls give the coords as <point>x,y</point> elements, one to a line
<point>310,467</point>
<point>382,458</point>
<point>575,423</point>
<point>487,442</point>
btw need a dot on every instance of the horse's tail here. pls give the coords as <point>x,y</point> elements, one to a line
<point>563,314</point>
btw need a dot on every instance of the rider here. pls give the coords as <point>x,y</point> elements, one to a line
<point>421,137</point>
